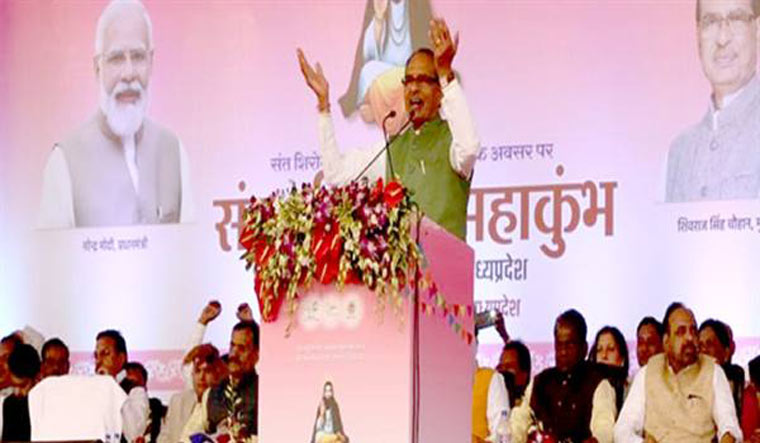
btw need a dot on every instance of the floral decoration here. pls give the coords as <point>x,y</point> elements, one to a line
<point>359,233</point>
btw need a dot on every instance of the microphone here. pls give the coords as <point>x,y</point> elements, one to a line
<point>388,141</point>
<point>385,120</point>
<point>390,115</point>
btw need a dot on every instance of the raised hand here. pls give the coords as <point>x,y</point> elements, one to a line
<point>501,328</point>
<point>316,80</point>
<point>444,47</point>
<point>210,312</point>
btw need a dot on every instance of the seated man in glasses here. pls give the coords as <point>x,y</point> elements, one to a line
<point>119,167</point>
<point>719,157</point>
<point>435,157</point>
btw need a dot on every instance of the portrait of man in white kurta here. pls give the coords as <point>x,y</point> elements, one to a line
<point>119,167</point>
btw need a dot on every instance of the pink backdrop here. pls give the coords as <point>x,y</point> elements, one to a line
<point>607,84</point>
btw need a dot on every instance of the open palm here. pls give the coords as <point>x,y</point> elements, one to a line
<point>315,78</point>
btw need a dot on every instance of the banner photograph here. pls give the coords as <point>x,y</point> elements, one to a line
<point>362,177</point>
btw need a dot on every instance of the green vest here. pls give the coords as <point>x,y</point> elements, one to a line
<point>421,162</point>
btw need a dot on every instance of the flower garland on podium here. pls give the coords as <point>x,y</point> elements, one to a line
<point>353,234</point>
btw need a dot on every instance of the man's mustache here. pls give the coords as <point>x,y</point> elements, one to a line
<point>122,87</point>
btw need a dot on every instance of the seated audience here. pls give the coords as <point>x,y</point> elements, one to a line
<point>571,401</point>
<point>185,414</point>
<point>680,395</point>
<point>55,358</point>
<point>715,341</point>
<point>209,313</point>
<point>751,406</point>
<point>648,339</point>
<point>235,402</point>
<point>611,352</point>
<point>111,359</point>
<point>137,376</point>
<point>490,402</point>
<point>687,388</point>
<point>24,368</point>
<point>515,361</point>
<point>155,419</point>
<point>7,344</point>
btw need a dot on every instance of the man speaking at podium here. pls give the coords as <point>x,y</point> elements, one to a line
<point>434,158</point>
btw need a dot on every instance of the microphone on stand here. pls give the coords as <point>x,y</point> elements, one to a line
<point>390,115</point>
<point>388,141</point>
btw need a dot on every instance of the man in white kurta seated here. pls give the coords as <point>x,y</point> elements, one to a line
<point>680,395</point>
<point>185,415</point>
<point>490,404</point>
<point>202,368</point>
<point>119,167</point>
<point>435,157</point>
<point>110,359</point>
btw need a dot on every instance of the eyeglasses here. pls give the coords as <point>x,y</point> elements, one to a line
<point>737,21</point>
<point>118,58</point>
<point>422,79</point>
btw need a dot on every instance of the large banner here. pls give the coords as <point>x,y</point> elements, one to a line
<point>603,181</point>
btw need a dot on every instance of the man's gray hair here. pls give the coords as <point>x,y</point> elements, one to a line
<point>112,12</point>
<point>755,8</point>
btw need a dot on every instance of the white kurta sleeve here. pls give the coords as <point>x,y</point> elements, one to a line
<point>341,168</point>
<point>57,202</point>
<point>603,412</point>
<point>134,413</point>
<point>521,417</point>
<point>724,410</point>
<point>630,424</point>
<point>464,138</point>
<point>32,413</point>
<point>498,402</point>
<point>196,338</point>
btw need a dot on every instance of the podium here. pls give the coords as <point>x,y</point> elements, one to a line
<point>354,356</point>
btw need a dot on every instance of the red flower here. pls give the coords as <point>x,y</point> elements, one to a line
<point>275,300</point>
<point>401,276</point>
<point>327,272</point>
<point>377,192</point>
<point>247,237</point>
<point>328,259</point>
<point>352,278</point>
<point>262,251</point>
<point>393,194</point>
<point>321,239</point>
<point>327,248</point>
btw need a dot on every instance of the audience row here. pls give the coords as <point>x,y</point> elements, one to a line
<point>687,387</point>
<point>219,402</point>
<point>686,390</point>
